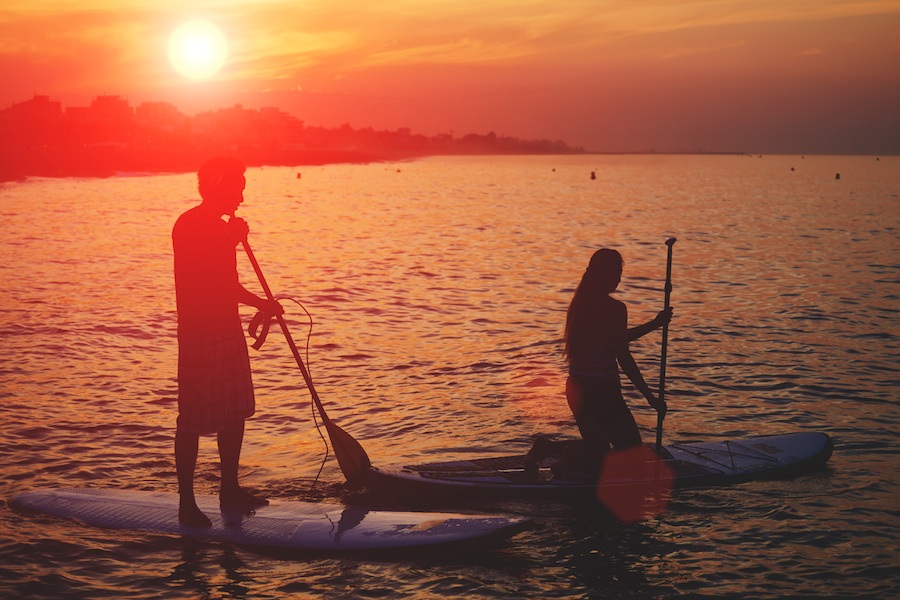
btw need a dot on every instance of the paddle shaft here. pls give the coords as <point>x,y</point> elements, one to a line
<point>284,329</point>
<point>665,344</point>
<point>350,455</point>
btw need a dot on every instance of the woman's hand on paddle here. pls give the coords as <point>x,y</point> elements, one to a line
<point>653,324</point>
<point>663,318</point>
<point>659,405</point>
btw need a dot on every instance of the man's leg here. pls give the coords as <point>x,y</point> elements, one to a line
<point>187,446</point>
<point>230,439</point>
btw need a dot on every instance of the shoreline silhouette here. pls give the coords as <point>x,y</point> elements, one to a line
<point>40,138</point>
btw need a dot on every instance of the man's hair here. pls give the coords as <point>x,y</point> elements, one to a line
<point>214,169</point>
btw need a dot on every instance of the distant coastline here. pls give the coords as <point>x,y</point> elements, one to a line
<point>103,161</point>
<point>39,138</point>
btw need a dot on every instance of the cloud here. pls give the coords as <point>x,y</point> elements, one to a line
<point>684,52</point>
<point>547,68</point>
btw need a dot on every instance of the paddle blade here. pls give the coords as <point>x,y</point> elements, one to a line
<point>352,459</point>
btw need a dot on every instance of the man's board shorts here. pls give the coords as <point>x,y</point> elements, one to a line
<point>214,385</point>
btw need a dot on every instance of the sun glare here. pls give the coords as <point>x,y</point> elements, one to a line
<point>197,49</point>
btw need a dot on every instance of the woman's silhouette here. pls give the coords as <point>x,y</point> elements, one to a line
<point>596,345</point>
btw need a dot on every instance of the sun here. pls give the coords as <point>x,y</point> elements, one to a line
<point>197,49</point>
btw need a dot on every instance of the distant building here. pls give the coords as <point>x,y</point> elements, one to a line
<point>160,115</point>
<point>37,108</point>
<point>32,122</point>
<point>113,119</point>
<point>112,108</point>
<point>280,128</point>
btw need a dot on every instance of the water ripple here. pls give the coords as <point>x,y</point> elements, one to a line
<point>439,296</point>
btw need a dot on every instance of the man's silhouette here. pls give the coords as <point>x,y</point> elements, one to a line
<point>215,392</point>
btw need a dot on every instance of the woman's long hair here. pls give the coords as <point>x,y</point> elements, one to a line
<point>599,279</point>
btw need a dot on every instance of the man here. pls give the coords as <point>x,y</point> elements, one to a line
<point>215,392</point>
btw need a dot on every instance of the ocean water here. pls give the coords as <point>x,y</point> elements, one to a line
<point>438,291</point>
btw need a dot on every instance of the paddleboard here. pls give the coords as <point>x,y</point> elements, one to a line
<point>683,465</point>
<point>287,524</point>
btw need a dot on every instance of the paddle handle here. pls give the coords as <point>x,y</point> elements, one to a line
<point>665,344</point>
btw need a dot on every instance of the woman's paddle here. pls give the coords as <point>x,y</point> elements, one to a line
<point>351,457</point>
<point>665,342</point>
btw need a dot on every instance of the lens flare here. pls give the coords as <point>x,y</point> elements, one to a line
<point>634,484</point>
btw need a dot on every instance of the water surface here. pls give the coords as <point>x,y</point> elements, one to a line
<point>438,290</point>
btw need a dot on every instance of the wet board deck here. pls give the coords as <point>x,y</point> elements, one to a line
<point>692,464</point>
<point>282,524</point>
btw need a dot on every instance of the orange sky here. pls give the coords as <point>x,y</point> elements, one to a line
<point>630,75</point>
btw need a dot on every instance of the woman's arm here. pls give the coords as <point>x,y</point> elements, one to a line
<point>661,319</point>
<point>630,367</point>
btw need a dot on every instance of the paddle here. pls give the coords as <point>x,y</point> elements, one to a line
<point>665,342</point>
<point>351,457</point>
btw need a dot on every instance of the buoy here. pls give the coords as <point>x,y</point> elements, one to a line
<point>299,175</point>
<point>837,175</point>
<point>593,175</point>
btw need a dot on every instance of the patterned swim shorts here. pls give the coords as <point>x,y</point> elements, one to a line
<point>214,384</point>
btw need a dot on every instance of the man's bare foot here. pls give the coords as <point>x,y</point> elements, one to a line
<point>241,497</point>
<point>189,514</point>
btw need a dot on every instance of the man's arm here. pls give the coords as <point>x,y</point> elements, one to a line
<point>247,297</point>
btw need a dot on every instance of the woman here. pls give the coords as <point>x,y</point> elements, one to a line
<point>596,339</point>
